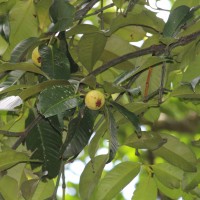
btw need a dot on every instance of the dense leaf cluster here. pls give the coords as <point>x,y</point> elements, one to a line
<point>149,124</point>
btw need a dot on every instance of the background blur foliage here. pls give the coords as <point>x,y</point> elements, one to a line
<point>148,131</point>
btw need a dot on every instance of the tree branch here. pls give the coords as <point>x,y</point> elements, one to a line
<point>80,13</point>
<point>154,50</point>
<point>25,133</point>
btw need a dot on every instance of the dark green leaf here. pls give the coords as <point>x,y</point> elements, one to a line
<point>177,18</point>
<point>112,128</point>
<point>79,132</point>
<point>91,175</point>
<point>20,51</point>
<point>45,143</point>
<point>33,90</point>
<point>62,14</point>
<point>56,100</point>
<point>55,63</point>
<point>116,179</point>
<point>129,115</point>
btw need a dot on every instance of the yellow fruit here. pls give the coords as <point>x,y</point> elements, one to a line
<point>36,58</point>
<point>94,100</point>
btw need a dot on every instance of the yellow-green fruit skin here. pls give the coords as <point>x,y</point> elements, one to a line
<point>36,58</point>
<point>94,100</point>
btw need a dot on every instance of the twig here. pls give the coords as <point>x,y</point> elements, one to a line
<point>53,197</point>
<point>11,134</point>
<point>148,83</point>
<point>154,50</point>
<point>81,13</point>
<point>27,130</point>
<point>101,16</point>
<point>100,10</point>
<point>130,6</point>
<point>63,182</point>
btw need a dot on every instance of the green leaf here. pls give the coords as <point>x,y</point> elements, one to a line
<point>8,188</point>
<point>116,179</point>
<point>56,100</point>
<point>191,179</point>
<point>54,63</point>
<point>149,140</point>
<point>174,174</point>
<point>177,153</point>
<point>79,132</point>
<point>35,189</point>
<point>24,25</point>
<point>129,115</point>
<point>186,92</point>
<point>91,175</point>
<point>62,15</point>
<point>81,29</point>
<point>172,193</point>
<point>9,158</point>
<point>146,188</point>
<point>19,52</point>
<point>24,66</point>
<point>33,90</point>
<point>45,143</point>
<point>95,141</point>
<point>144,19</point>
<point>42,9</point>
<point>90,48</point>
<point>176,19</point>
<point>112,128</point>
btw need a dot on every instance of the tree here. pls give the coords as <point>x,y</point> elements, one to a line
<point>149,123</point>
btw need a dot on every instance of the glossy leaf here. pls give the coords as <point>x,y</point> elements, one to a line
<point>178,154</point>
<point>90,48</point>
<point>129,115</point>
<point>176,18</point>
<point>174,175</point>
<point>20,51</point>
<point>55,63</point>
<point>91,175</point>
<point>45,143</point>
<point>79,132</point>
<point>112,128</point>
<point>56,100</point>
<point>116,179</point>
<point>33,90</point>
<point>62,14</point>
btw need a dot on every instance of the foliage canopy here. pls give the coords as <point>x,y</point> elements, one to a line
<point>149,124</point>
